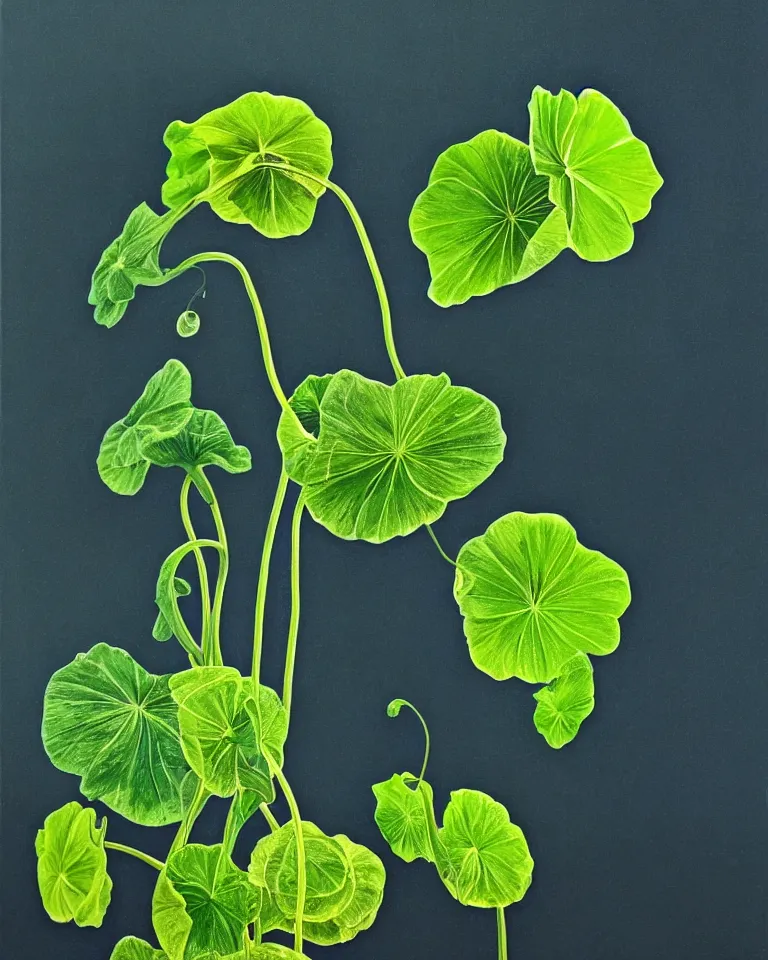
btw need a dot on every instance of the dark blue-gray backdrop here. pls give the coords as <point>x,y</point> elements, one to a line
<point>633,395</point>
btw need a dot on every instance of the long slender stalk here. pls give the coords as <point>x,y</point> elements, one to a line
<point>436,542</point>
<point>501,933</point>
<point>301,863</point>
<point>293,626</point>
<point>140,855</point>
<point>261,589</point>
<point>269,817</point>
<point>221,580</point>
<point>202,570</point>
<point>191,814</point>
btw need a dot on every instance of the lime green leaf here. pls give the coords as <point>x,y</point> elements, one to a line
<point>389,458</point>
<point>601,176</point>
<point>162,630</point>
<point>72,866</point>
<point>115,725</point>
<point>202,442</point>
<point>566,702</point>
<point>490,865</point>
<point>162,411</point>
<point>202,903</point>
<point>273,866</point>
<point>128,261</point>
<point>188,323</point>
<point>131,948</point>
<point>532,596</point>
<point>221,158</point>
<point>219,725</point>
<point>296,438</point>
<point>367,881</point>
<point>405,815</point>
<point>273,951</point>
<point>485,219</point>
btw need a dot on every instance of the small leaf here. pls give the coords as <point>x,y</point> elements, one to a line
<point>221,158</point>
<point>389,459</point>
<point>273,866</point>
<point>188,323</point>
<point>601,176</point>
<point>202,903</point>
<point>202,442</point>
<point>130,260</point>
<point>72,866</point>
<point>131,948</point>
<point>405,815</point>
<point>532,596</point>
<point>566,702</point>
<point>395,706</point>
<point>220,730</point>
<point>485,219</point>
<point>490,865</point>
<point>296,438</point>
<point>110,722</point>
<point>162,630</point>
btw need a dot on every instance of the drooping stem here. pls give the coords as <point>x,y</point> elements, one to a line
<point>301,864</point>
<point>394,709</point>
<point>261,589</point>
<point>436,542</point>
<point>373,266</point>
<point>179,627</point>
<point>202,570</point>
<point>293,626</point>
<point>501,933</point>
<point>140,855</point>
<point>269,817</point>
<point>204,485</point>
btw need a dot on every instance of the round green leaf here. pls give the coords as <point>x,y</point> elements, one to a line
<point>131,948</point>
<point>115,725</point>
<point>188,323</point>
<point>221,158</point>
<point>202,442</point>
<point>489,862</point>
<point>219,725</point>
<point>566,702</point>
<point>329,890</point>
<point>405,816</point>
<point>485,219</point>
<point>601,176</point>
<point>532,596</point>
<point>202,903</point>
<point>72,866</point>
<point>388,459</point>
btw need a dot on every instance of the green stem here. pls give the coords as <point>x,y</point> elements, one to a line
<point>501,933</point>
<point>157,864</point>
<point>373,266</point>
<point>406,703</point>
<point>202,570</point>
<point>204,484</point>
<point>231,827</point>
<point>436,542</point>
<point>261,321</point>
<point>261,589</point>
<point>269,817</point>
<point>293,626</point>
<point>192,813</point>
<point>301,863</point>
<point>180,629</point>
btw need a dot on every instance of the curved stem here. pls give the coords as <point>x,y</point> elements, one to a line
<point>373,266</point>
<point>293,626</point>
<point>436,542</point>
<point>157,864</point>
<point>202,570</point>
<point>204,484</point>
<point>192,813</point>
<point>261,589</point>
<point>394,707</point>
<point>269,817</point>
<point>180,629</point>
<point>501,933</point>
<point>301,863</point>
<point>261,321</point>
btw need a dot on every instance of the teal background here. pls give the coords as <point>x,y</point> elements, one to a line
<point>633,395</point>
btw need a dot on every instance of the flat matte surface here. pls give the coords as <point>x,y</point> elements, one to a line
<point>632,393</point>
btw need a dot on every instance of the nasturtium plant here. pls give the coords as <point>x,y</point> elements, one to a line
<point>486,219</point>
<point>601,176</point>
<point>566,702</point>
<point>368,460</point>
<point>72,866</point>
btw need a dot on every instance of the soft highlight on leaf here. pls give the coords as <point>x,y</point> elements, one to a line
<point>405,815</point>
<point>566,702</point>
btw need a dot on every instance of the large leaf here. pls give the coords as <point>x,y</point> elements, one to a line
<point>566,702</point>
<point>532,596</point>
<point>162,411</point>
<point>490,865</point>
<point>405,816</point>
<point>202,903</point>
<point>388,459</point>
<point>601,176</point>
<point>131,948</point>
<point>485,219</point>
<point>220,733</point>
<point>72,866</point>
<point>221,158</point>
<point>115,725</point>
<point>128,261</point>
<point>203,441</point>
<point>330,886</point>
